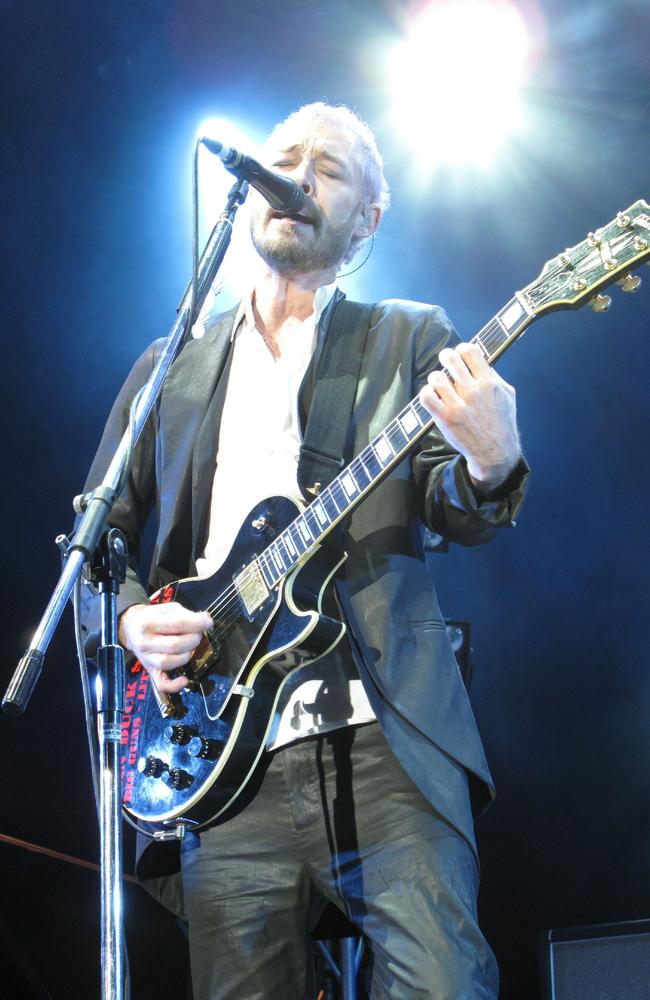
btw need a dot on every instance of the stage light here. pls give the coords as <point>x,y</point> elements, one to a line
<point>214,184</point>
<point>456,78</point>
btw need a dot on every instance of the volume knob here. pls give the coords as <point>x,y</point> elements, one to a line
<point>152,767</point>
<point>178,734</point>
<point>177,778</point>
<point>203,748</point>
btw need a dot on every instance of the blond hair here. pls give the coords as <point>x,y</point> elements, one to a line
<point>321,114</point>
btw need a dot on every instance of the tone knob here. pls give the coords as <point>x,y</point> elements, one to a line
<point>178,734</point>
<point>152,767</point>
<point>203,748</point>
<point>177,778</point>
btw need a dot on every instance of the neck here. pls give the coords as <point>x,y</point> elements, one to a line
<point>280,299</point>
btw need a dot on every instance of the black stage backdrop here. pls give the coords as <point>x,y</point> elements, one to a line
<point>101,103</point>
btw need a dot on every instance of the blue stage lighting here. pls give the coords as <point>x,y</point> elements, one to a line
<point>456,78</point>
<point>215,179</point>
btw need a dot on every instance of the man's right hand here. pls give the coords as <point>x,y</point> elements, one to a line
<point>163,637</point>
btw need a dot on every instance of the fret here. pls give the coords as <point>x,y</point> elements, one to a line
<point>361,475</point>
<point>283,550</point>
<point>489,340</point>
<point>382,449</point>
<point>267,569</point>
<point>371,462</point>
<point>293,531</point>
<point>288,543</point>
<point>512,315</point>
<point>273,549</point>
<point>349,483</point>
<point>295,539</point>
<point>312,523</point>
<point>330,496</point>
<point>397,438</point>
<point>416,407</point>
<point>303,527</point>
<point>501,324</point>
<point>423,414</point>
<point>328,501</point>
<point>409,422</point>
<point>320,512</point>
<point>484,348</point>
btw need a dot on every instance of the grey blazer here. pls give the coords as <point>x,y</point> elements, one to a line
<point>395,626</point>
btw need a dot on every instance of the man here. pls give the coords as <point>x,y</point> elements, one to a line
<point>365,796</point>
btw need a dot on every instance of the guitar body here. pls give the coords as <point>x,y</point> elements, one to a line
<point>192,762</point>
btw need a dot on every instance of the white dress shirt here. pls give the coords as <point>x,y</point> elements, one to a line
<point>257,456</point>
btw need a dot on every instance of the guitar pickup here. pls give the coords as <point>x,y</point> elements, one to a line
<point>252,588</point>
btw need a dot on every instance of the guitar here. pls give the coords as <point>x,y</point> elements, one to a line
<point>186,757</point>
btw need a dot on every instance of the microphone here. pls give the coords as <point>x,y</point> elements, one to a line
<point>282,193</point>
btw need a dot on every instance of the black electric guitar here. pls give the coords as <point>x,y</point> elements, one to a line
<point>186,757</point>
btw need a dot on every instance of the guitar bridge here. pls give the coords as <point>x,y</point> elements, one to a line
<point>206,654</point>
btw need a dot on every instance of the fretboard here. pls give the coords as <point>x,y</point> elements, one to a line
<point>367,470</point>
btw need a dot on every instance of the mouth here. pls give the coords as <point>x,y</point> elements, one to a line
<point>297,217</point>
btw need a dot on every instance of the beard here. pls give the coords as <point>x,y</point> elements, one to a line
<point>289,250</point>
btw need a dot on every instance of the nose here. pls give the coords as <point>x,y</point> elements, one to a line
<point>304,177</point>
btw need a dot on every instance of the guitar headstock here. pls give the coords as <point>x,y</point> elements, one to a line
<point>609,255</point>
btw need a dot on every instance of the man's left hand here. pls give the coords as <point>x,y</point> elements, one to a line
<point>477,414</point>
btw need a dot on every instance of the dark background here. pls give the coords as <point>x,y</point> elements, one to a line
<point>100,107</point>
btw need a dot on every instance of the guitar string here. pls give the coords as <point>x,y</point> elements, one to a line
<point>227,606</point>
<point>359,469</point>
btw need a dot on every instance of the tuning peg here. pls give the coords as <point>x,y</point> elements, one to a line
<point>630,282</point>
<point>600,303</point>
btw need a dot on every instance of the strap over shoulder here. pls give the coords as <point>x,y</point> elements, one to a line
<point>326,444</point>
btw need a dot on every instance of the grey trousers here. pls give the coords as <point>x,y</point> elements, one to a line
<point>335,818</point>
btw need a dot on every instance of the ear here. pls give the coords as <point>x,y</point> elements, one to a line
<point>369,219</point>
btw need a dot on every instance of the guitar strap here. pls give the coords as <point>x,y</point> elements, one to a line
<point>327,442</point>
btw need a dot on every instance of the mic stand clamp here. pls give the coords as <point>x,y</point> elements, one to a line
<point>107,573</point>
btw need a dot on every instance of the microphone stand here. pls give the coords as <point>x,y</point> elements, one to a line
<point>96,507</point>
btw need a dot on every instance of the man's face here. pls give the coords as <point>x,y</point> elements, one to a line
<point>328,165</point>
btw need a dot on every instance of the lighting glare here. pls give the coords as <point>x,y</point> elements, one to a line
<point>456,80</point>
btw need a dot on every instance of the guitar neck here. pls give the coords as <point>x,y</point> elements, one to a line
<point>373,464</point>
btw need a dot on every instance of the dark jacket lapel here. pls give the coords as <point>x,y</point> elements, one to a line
<point>306,393</point>
<point>188,391</point>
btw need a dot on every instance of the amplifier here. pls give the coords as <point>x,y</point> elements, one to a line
<point>601,962</point>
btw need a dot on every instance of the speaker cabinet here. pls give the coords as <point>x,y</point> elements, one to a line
<point>602,962</point>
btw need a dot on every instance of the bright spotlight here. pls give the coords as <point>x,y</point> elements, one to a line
<point>456,79</point>
<point>214,184</point>
<point>215,179</point>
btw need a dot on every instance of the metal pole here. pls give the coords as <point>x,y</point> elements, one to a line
<point>110,708</point>
<point>347,954</point>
